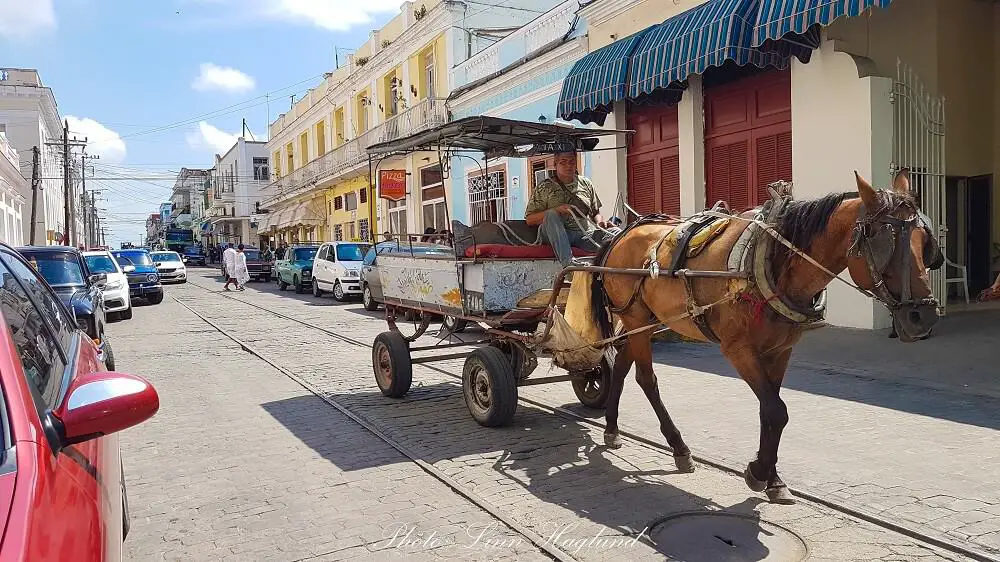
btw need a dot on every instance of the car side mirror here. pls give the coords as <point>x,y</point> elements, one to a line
<point>99,279</point>
<point>129,269</point>
<point>104,403</point>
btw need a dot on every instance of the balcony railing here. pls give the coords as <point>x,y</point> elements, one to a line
<point>545,29</point>
<point>426,114</point>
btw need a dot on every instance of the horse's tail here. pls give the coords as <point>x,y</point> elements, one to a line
<point>598,296</point>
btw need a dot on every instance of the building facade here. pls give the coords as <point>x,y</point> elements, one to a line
<point>187,201</point>
<point>725,97</point>
<point>239,180</point>
<point>12,186</point>
<point>520,78</point>
<point>30,118</point>
<point>393,86</point>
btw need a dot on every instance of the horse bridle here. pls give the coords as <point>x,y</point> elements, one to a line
<point>877,238</point>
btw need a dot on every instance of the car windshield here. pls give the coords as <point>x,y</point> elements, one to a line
<point>165,256</point>
<point>60,269</point>
<point>252,255</point>
<point>352,252</point>
<point>101,264</point>
<point>304,254</point>
<point>134,258</point>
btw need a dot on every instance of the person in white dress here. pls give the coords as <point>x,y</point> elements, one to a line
<point>229,263</point>
<point>240,268</point>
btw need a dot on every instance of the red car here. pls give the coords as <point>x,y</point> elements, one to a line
<point>62,489</point>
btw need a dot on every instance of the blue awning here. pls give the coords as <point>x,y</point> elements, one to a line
<point>705,36</point>
<point>597,81</point>
<point>797,22</point>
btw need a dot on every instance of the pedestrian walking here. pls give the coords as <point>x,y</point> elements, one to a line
<point>240,267</point>
<point>229,265</point>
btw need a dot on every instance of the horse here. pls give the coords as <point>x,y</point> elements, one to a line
<point>874,234</point>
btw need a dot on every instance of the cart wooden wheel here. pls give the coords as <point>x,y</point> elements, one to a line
<point>392,364</point>
<point>409,330</point>
<point>490,387</point>
<point>594,388</point>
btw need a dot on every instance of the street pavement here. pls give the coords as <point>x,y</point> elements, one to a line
<point>545,471</point>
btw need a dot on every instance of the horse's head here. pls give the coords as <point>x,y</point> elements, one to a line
<point>890,254</point>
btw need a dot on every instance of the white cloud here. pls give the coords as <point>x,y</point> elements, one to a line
<point>101,140</point>
<point>208,137</point>
<point>20,19</point>
<point>223,79</point>
<point>335,15</point>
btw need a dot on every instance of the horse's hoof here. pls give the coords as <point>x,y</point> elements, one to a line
<point>780,495</point>
<point>684,463</point>
<point>612,441</point>
<point>752,482</point>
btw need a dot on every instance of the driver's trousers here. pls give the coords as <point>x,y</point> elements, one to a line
<point>554,233</point>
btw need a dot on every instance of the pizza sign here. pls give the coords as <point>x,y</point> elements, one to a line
<point>392,184</point>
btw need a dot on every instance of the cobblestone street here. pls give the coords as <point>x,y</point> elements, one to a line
<point>273,472</point>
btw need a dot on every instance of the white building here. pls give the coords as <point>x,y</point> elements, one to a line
<point>12,184</point>
<point>29,117</point>
<point>238,182</point>
<point>188,199</point>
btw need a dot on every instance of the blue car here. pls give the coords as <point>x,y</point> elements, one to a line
<point>143,279</point>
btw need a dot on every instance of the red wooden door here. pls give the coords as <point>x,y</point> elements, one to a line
<point>654,182</point>
<point>748,138</point>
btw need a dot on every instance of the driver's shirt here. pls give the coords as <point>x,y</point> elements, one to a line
<point>580,193</point>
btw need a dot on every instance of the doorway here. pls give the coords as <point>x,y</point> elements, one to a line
<point>979,230</point>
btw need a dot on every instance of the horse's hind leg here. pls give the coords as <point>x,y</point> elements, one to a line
<point>623,363</point>
<point>641,350</point>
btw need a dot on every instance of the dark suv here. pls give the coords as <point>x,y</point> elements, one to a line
<point>66,271</point>
<point>143,278</point>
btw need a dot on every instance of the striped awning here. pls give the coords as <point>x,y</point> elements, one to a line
<point>597,81</point>
<point>796,23</point>
<point>705,36</point>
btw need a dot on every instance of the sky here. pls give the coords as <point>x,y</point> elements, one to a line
<point>156,85</point>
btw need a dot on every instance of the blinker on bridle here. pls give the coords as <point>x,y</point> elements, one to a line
<point>870,231</point>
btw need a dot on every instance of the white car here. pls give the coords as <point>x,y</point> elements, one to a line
<point>170,266</point>
<point>337,269</point>
<point>117,303</point>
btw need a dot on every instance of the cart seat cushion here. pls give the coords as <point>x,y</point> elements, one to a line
<point>517,252</point>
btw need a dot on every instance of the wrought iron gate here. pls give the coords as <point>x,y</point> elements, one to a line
<point>918,143</point>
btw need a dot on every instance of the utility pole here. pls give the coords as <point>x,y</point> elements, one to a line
<point>35,181</point>
<point>68,199</point>
<point>87,240</point>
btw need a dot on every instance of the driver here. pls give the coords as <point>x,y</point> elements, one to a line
<point>566,209</point>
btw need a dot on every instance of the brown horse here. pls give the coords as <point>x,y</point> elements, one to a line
<point>877,237</point>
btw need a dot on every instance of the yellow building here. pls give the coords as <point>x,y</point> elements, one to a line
<point>393,86</point>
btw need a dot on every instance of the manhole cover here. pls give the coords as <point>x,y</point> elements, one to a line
<point>725,537</point>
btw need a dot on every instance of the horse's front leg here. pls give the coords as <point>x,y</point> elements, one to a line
<point>623,363</point>
<point>761,474</point>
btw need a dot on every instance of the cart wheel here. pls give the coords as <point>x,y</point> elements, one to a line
<point>489,387</point>
<point>594,390</point>
<point>410,331</point>
<point>391,362</point>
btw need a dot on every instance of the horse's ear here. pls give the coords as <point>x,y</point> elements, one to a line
<point>866,191</point>
<point>901,183</point>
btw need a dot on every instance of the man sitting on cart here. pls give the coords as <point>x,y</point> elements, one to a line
<point>567,211</point>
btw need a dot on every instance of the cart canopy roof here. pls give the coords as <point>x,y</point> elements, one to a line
<point>497,137</point>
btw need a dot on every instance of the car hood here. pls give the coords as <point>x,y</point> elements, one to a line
<point>145,269</point>
<point>305,264</point>
<point>75,298</point>
<point>174,264</point>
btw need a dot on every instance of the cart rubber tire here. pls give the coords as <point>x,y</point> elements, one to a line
<point>371,305</point>
<point>392,364</point>
<point>454,325</point>
<point>489,387</point>
<point>596,396</point>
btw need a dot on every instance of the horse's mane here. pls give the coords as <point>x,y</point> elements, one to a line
<point>803,221</point>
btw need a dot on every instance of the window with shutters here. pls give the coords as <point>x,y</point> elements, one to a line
<point>654,184</point>
<point>748,138</point>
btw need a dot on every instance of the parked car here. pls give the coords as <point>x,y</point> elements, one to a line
<point>337,269</point>
<point>62,489</point>
<point>143,280</point>
<point>117,302</point>
<point>193,255</point>
<point>170,266</point>
<point>66,272</point>
<point>256,266</point>
<point>296,269</point>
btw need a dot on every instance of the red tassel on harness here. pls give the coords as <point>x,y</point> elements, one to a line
<point>757,303</point>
